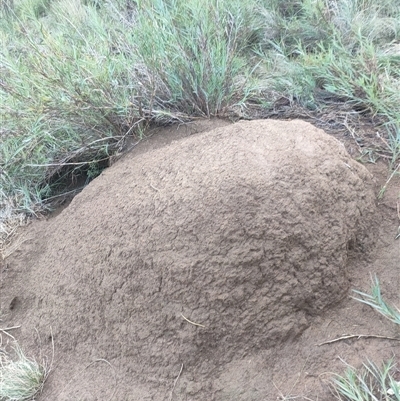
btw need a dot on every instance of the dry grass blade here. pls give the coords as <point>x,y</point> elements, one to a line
<point>176,381</point>
<point>398,215</point>
<point>193,323</point>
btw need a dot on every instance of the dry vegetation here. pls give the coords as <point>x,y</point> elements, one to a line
<point>77,77</point>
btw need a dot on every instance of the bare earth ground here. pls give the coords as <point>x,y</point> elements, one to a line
<point>122,334</point>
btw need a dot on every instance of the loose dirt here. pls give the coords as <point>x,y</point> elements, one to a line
<point>210,266</point>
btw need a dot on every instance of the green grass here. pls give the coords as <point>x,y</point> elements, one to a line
<point>371,382</point>
<point>78,76</point>
<point>21,378</point>
<point>375,301</point>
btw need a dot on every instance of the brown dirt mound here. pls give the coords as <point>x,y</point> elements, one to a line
<point>201,253</point>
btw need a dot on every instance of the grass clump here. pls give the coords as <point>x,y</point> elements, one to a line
<point>193,55</point>
<point>376,301</point>
<point>78,77</point>
<point>371,382</point>
<point>21,378</point>
<point>340,55</point>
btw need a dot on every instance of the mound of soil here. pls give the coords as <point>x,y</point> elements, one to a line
<point>198,254</point>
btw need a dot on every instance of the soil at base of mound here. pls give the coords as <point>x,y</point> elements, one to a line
<point>51,280</point>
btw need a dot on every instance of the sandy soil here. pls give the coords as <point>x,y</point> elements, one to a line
<point>210,265</point>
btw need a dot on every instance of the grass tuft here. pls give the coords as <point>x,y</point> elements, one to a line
<point>21,378</point>
<point>370,383</point>
<point>376,301</point>
<point>79,76</point>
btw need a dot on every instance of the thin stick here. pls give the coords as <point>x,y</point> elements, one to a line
<point>176,381</point>
<point>189,321</point>
<point>358,336</point>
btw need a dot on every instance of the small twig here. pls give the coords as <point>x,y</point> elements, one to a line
<point>358,336</point>
<point>189,321</point>
<point>176,381</point>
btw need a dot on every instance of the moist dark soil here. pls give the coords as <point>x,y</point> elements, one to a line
<point>212,262</point>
